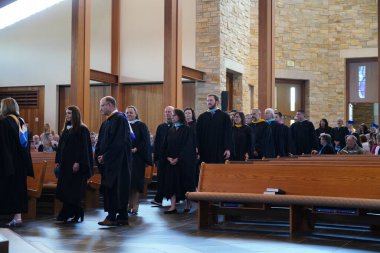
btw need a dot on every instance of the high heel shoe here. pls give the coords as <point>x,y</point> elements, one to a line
<point>14,223</point>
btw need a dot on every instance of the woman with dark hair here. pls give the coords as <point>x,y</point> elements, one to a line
<point>190,117</point>
<point>141,156</point>
<point>242,138</point>
<point>15,163</point>
<point>363,129</point>
<point>323,129</point>
<point>75,163</point>
<point>178,160</point>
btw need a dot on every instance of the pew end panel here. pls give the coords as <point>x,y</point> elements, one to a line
<point>34,187</point>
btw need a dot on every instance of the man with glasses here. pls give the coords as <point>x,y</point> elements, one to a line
<point>113,156</point>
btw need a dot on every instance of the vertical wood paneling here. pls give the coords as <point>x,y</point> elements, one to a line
<point>188,95</point>
<point>33,115</point>
<point>96,93</point>
<point>148,100</point>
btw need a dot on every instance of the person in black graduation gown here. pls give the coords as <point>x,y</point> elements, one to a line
<point>15,163</point>
<point>75,162</point>
<point>285,145</point>
<point>324,128</point>
<point>279,137</point>
<point>192,123</point>
<point>339,134</point>
<point>242,138</point>
<point>178,160</point>
<point>326,146</point>
<point>262,134</point>
<point>113,156</point>
<point>161,132</point>
<point>141,156</point>
<point>303,135</point>
<point>214,133</point>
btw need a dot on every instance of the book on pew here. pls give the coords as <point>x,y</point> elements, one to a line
<point>274,191</point>
<point>335,210</point>
<point>231,204</point>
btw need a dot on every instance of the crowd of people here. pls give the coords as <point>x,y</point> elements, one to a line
<point>124,147</point>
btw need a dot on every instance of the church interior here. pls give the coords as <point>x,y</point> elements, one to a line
<point>319,56</point>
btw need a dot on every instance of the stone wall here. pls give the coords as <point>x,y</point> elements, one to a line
<point>234,38</point>
<point>207,50</point>
<point>352,25</point>
<point>222,43</point>
<point>310,33</point>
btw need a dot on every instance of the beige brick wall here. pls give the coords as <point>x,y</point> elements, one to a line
<point>311,33</point>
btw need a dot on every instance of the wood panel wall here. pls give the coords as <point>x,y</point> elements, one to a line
<point>96,93</point>
<point>34,115</point>
<point>146,97</point>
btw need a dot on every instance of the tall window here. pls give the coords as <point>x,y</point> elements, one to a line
<point>362,90</point>
<point>362,77</point>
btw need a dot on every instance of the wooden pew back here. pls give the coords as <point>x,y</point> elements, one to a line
<point>330,180</point>
<point>34,184</point>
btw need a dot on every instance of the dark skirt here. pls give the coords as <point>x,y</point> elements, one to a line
<point>172,182</point>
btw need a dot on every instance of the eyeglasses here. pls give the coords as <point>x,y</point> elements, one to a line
<point>102,105</point>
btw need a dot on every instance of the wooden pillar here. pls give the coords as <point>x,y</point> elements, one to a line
<point>266,54</point>
<point>116,89</point>
<point>80,57</point>
<point>172,89</point>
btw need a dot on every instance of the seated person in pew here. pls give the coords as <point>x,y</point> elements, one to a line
<point>352,147</point>
<point>326,146</point>
<point>376,146</point>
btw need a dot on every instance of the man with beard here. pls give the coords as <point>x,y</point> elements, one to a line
<point>214,133</point>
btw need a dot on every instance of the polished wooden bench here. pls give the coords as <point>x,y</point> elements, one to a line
<point>330,185</point>
<point>50,182</point>
<point>34,186</point>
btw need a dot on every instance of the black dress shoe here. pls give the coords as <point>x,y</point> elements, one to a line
<point>171,211</point>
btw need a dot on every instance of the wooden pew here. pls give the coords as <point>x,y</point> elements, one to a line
<point>34,186</point>
<point>50,182</point>
<point>307,186</point>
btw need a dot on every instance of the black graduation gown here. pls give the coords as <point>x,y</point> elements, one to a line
<point>179,178</point>
<point>214,136</point>
<point>262,135</point>
<point>339,134</point>
<point>159,139</point>
<point>114,143</point>
<point>161,132</point>
<point>142,157</point>
<point>280,137</point>
<point>74,147</point>
<point>242,140</point>
<point>15,166</point>
<point>303,137</point>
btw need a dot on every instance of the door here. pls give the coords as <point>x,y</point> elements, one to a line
<point>289,97</point>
